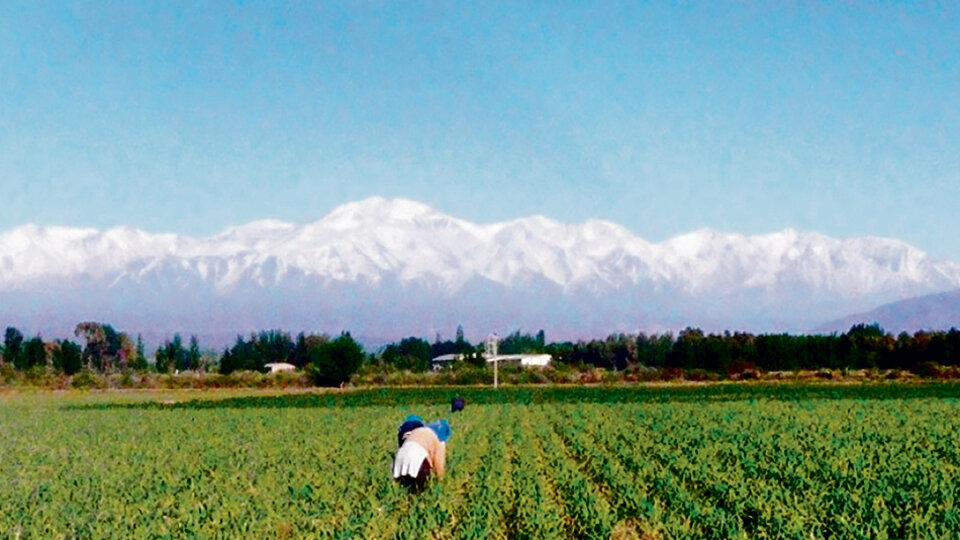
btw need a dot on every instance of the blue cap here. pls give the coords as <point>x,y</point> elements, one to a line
<point>413,418</point>
<point>441,428</point>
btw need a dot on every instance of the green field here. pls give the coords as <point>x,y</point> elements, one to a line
<point>722,461</point>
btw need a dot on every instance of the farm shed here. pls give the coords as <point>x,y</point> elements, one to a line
<point>444,360</point>
<point>277,367</point>
<point>525,360</point>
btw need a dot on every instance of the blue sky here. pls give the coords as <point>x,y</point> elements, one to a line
<point>190,117</point>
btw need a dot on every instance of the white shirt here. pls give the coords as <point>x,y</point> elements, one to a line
<point>408,460</point>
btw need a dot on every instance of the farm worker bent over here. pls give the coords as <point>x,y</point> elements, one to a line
<point>422,448</point>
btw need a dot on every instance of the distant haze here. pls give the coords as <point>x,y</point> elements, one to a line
<point>385,269</point>
<point>938,311</point>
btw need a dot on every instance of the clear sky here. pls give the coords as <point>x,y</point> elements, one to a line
<point>192,116</point>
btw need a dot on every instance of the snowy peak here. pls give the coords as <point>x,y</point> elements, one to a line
<point>255,230</point>
<point>848,267</point>
<point>378,211</point>
<point>32,251</point>
<point>405,250</point>
<point>377,238</point>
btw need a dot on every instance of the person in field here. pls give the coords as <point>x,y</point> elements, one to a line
<point>421,449</point>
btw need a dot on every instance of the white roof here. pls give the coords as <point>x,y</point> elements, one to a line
<point>279,366</point>
<point>524,359</point>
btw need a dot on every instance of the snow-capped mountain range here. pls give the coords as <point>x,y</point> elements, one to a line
<point>390,268</point>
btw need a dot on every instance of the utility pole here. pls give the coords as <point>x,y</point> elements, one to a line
<point>491,349</point>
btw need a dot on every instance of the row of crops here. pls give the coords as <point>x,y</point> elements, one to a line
<point>840,462</point>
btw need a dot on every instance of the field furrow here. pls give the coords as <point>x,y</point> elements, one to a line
<point>522,463</point>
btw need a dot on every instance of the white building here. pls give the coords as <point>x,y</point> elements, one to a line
<point>277,367</point>
<point>444,360</point>
<point>525,360</point>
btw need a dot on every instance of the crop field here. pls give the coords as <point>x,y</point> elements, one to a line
<point>722,461</point>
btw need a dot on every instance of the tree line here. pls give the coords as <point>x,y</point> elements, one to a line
<point>106,350</point>
<point>862,347</point>
<point>331,361</point>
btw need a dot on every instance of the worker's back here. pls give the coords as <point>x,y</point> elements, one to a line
<point>436,449</point>
<point>422,450</point>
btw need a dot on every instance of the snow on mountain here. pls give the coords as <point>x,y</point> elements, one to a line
<point>31,252</point>
<point>399,267</point>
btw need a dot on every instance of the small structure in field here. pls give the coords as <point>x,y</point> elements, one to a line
<point>277,367</point>
<point>444,360</point>
<point>524,360</point>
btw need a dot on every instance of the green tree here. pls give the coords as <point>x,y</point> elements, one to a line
<point>867,346</point>
<point>335,361</point>
<point>103,345</point>
<point>590,353</point>
<point>34,354</point>
<point>226,362</point>
<point>171,355</point>
<point>775,352</point>
<point>263,348</point>
<point>192,358</point>
<point>717,355</point>
<point>440,348</point>
<point>517,343</point>
<point>67,357</point>
<point>140,359</point>
<point>620,350</point>
<point>12,345</point>
<point>561,352</point>
<point>127,351</point>
<point>305,343</point>
<point>687,351</point>
<point>272,346</point>
<point>461,345</point>
<point>411,353</point>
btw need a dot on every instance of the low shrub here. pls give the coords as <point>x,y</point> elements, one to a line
<point>671,373</point>
<point>559,373</point>
<point>824,374</point>
<point>702,375</point>
<point>470,374</point>
<point>8,375</point>
<point>638,373</point>
<point>88,379</point>
<point>929,369</point>
<point>528,376</point>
